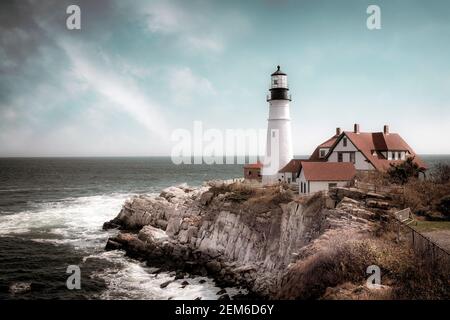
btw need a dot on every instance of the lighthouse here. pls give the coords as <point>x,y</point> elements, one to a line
<point>279,137</point>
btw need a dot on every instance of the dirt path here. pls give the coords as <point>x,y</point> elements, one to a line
<point>441,237</point>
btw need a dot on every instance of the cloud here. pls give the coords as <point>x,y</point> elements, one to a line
<point>185,85</point>
<point>68,93</point>
<point>120,90</point>
<point>165,17</point>
<point>194,26</point>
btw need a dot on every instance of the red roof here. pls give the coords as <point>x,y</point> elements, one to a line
<point>371,144</point>
<point>327,144</point>
<point>257,165</point>
<point>293,166</point>
<point>328,171</point>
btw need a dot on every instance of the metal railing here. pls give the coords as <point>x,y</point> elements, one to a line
<point>425,248</point>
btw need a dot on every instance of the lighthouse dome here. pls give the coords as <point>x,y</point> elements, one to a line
<point>279,72</point>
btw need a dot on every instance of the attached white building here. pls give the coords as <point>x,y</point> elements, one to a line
<point>289,173</point>
<point>321,176</point>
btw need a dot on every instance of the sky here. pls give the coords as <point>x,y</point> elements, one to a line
<point>138,70</point>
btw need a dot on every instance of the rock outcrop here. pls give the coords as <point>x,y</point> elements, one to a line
<point>238,239</point>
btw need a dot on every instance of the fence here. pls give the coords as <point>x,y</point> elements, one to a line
<point>433,254</point>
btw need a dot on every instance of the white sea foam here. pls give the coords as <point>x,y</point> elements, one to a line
<point>134,280</point>
<point>78,222</point>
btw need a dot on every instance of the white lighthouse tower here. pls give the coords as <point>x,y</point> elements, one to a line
<point>279,136</point>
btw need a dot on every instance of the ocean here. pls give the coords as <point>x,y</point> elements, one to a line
<point>51,216</point>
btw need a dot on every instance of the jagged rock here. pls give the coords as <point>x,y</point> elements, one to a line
<point>152,234</point>
<point>165,284</point>
<point>213,266</point>
<point>113,245</point>
<point>206,198</point>
<point>236,242</point>
<point>221,292</point>
<point>377,204</point>
<point>224,297</point>
<point>179,275</point>
<point>184,284</point>
<point>20,287</point>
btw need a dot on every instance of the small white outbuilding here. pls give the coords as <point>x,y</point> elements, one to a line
<point>321,176</point>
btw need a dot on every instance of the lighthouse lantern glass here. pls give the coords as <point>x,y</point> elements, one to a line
<point>279,81</point>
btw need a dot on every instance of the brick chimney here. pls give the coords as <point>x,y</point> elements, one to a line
<point>356,128</point>
<point>386,129</point>
<point>338,131</point>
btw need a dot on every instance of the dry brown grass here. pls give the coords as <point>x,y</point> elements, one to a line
<point>374,177</point>
<point>242,192</point>
<point>345,260</point>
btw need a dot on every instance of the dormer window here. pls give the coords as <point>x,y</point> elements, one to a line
<point>322,153</point>
<point>344,141</point>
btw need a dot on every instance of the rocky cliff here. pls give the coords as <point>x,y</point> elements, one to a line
<point>240,235</point>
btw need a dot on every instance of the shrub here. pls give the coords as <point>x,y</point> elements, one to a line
<point>427,196</point>
<point>441,173</point>
<point>401,173</point>
<point>444,205</point>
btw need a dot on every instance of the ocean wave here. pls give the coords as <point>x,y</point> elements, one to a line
<point>77,220</point>
<point>133,280</point>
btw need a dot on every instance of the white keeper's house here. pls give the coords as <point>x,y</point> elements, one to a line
<point>336,161</point>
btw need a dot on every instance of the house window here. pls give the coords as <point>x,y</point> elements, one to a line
<point>340,156</point>
<point>344,141</point>
<point>322,153</point>
<point>352,157</point>
<point>289,180</point>
<point>273,133</point>
<point>249,173</point>
<point>301,187</point>
<point>332,185</point>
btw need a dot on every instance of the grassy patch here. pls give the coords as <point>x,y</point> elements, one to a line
<point>427,226</point>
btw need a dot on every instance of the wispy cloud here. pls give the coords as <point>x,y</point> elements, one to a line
<point>193,26</point>
<point>120,90</point>
<point>185,85</point>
